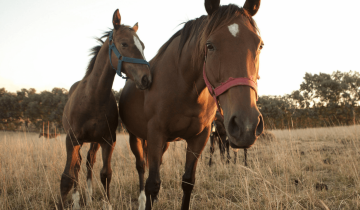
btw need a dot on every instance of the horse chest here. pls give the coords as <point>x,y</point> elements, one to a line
<point>185,127</point>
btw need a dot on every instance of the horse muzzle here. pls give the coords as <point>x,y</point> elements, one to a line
<point>243,132</point>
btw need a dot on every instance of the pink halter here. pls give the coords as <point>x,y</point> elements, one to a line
<point>231,82</point>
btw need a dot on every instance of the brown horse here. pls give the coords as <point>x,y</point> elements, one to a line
<point>90,114</point>
<point>178,104</point>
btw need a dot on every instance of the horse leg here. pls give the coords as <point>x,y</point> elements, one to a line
<point>137,149</point>
<point>76,194</point>
<point>90,161</point>
<point>221,147</point>
<point>235,156</point>
<point>70,174</point>
<point>193,152</point>
<point>245,157</point>
<point>227,147</point>
<point>212,148</point>
<point>155,147</point>
<point>107,149</point>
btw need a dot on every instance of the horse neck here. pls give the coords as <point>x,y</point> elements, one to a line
<point>191,71</point>
<point>101,79</point>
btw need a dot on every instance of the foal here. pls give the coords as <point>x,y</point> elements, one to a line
<point>90,114</point>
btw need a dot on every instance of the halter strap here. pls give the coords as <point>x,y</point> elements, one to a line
<point>121,58</point>
<point>231,82</point>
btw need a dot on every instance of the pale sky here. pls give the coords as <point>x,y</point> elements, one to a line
<point>45,44</point>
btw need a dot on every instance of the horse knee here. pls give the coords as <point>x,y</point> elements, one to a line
<point>66,183</point>
<point>105,175</point>
<point>212,149</point>
<point>140,166</point>
<point>152,188</point>
<point>187,184</point>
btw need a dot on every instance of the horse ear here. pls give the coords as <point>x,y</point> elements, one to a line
<point>136,27</point>
<point>252,6</point>
<point>116,19</point>
<point>211,6</point>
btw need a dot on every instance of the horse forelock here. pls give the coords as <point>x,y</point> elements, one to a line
<point>201,28</point>
<point>221,17</point>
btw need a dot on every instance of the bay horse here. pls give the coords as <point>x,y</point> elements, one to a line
<point>219,50</point>
<point>90,114</point>
<point>218,135</point>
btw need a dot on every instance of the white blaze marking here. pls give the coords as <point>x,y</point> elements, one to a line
<point>89,192</point>
<point>76,199</point>
<point>138,45</point>
<point>234,29</point>
<point>142,200</point>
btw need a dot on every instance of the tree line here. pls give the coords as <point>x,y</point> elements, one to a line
<point>322,100</point>
<point>32,110</point>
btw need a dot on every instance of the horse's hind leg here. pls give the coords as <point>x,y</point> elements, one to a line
<point>70,174</point>
<point>138,150</point>
<point>107,149</point>
<point>90,161</point>
<point>221,142</point>
<point>212,148</point>
<point>227,147</point>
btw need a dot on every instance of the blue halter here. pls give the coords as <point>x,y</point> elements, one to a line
<point>121,58</point>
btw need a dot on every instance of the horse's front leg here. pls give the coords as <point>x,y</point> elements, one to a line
<point>227,147</point>
<point>107,149</point>
<point>90,161</point>
<point>69,177</point>
<point>137,149</point>
<point>193,152</point>
<point>155,146</point>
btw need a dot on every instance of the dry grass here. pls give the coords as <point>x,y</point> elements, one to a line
<point>300,169</point>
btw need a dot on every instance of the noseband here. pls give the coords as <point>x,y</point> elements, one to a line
<point>231,82</point>
<point>121,58</point>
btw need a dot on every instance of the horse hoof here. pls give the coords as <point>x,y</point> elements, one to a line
<point>76,200</point>
<point>142,200</point>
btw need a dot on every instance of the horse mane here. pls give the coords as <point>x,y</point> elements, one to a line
<point>201,28</point>
<point>95,50</point>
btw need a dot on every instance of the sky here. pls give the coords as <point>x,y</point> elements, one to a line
<point>45,44</point>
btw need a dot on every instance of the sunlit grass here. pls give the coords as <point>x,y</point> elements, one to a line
<point>300,169</point>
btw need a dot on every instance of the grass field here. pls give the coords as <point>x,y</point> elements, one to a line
<point>301,169</point>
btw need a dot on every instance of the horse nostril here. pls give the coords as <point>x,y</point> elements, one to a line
<point>260,126</point>
<point>145,81</point>
<point>234,128</point>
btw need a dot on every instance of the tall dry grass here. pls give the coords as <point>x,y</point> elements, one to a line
<point>300,169</point>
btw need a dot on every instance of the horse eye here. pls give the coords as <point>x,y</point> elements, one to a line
<point>261,47</point>
<point>124,45</point>
<point>209,46</point>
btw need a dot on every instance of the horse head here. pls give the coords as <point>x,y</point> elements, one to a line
<point>232,48</point>
<point>128,54</point>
